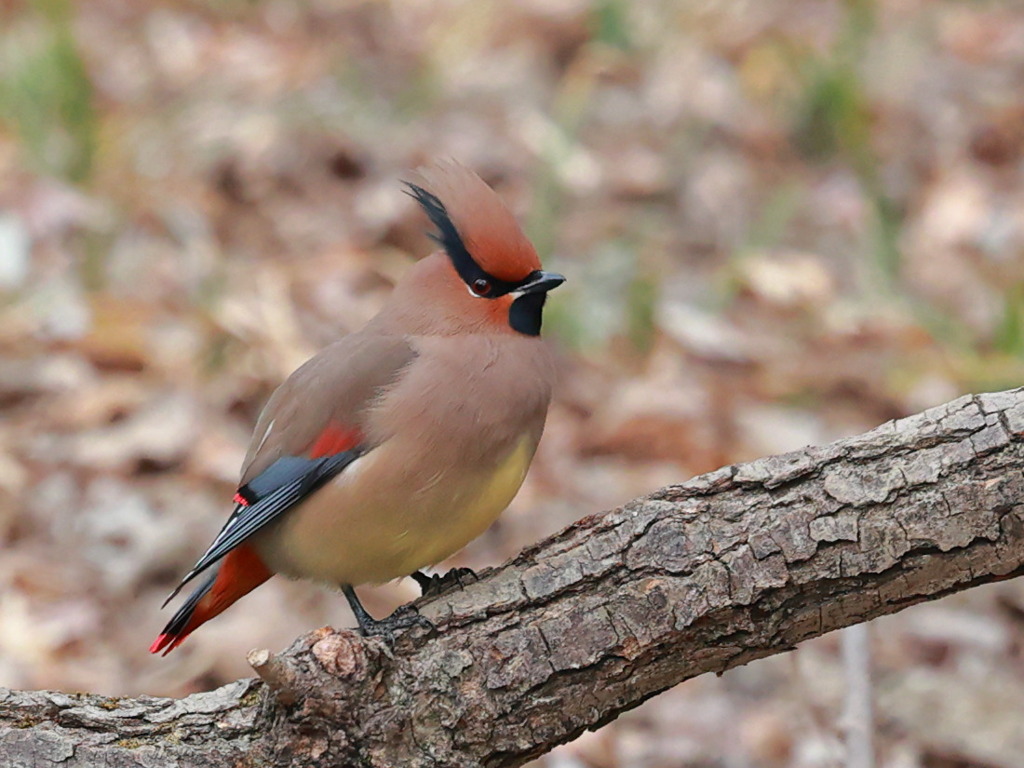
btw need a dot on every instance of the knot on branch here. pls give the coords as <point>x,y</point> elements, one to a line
<point>342,654</point>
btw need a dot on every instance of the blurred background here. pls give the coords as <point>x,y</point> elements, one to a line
<point>783,222</point>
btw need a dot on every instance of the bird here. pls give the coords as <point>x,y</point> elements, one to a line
<point>395,446</point>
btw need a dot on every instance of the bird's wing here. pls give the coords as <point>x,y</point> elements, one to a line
<point>312,427</point>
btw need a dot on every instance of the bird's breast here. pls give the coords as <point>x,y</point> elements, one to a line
<point>441,516</point>
<point>491,494</point>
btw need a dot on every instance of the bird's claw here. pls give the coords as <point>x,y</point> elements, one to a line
<point>434,584</point>
<point>404,617</point>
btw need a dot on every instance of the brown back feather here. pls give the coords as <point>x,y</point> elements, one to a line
<point>340,384</point>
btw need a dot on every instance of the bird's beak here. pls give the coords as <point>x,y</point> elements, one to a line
<point>539,282</point>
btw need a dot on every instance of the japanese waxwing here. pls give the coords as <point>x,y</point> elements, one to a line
<point>394,447</point>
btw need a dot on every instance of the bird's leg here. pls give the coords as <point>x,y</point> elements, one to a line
<point>433,585</point>
<point>404,617</point>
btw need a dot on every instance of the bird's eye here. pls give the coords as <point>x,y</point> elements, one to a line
<point>481,286</point>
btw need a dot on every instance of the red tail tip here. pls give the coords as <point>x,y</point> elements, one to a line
<point>159,643</point>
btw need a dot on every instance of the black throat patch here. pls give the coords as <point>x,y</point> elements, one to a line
<point>526,312</point>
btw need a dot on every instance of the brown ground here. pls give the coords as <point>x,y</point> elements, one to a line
<point>782,221</point>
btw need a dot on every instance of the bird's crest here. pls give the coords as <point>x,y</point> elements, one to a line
<point>473,222</point>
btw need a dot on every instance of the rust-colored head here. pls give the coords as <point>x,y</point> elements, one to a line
<point>469,214</point>
<point>486,249</point>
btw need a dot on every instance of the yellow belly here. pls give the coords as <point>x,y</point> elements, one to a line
<point>473,510</point>
<point>375,524</point>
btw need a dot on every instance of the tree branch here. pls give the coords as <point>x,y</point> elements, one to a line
<point>729,567</point>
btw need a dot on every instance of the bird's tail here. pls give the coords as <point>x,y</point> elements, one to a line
<point>240,572</point>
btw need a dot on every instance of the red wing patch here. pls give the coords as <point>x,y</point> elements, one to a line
<point>335,439</point>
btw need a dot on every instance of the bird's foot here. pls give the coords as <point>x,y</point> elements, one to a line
<point>404,617</point>
<point>434,584</point>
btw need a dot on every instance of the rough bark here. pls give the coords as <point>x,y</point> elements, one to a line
<point>729,567</point>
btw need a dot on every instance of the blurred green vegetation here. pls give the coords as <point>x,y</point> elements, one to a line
<point>1009,336</point>
<point>610,23</point>
<point>46,96</point>
<point>833,121</point>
